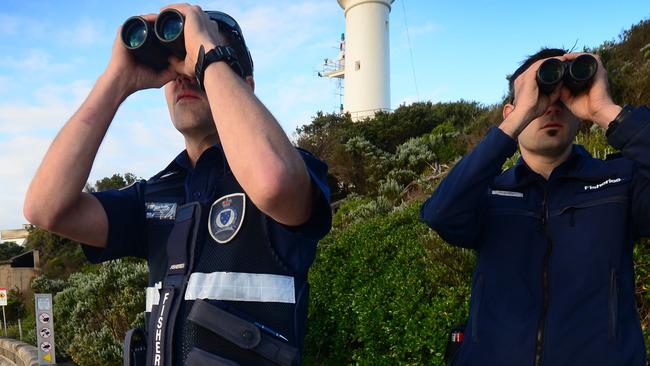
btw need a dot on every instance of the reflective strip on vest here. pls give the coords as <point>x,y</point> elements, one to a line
<point>233,286</point>
<point>236,286</point>
<point>152,296</point>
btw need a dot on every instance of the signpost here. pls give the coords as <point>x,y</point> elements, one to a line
<point>3,303</point>
<point>45,329</point>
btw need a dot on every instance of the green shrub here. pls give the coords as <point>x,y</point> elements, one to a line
<point>344,214</point>
<point>595,142</point>
<point>446,144</point>
<point>379,295</point>
<point>94,311</point>
<point>642,272</point>
<point>15,308</point>
<point>391,189</point>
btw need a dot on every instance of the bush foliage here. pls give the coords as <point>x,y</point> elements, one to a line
<point>93,310</point>
<point>385,290</point>
<point>380,295</point>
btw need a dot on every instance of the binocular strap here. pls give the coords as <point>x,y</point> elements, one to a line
<point>182,240</point>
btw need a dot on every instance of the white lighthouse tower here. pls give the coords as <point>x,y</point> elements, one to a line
<point>367,57</point>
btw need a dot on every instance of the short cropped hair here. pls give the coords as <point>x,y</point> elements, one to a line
<point>540,55</point>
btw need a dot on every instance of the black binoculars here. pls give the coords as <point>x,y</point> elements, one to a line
<point>152,43</point>
<point>576,74</point>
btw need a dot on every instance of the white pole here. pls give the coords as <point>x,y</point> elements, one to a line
<point>4,320</point>
<point>20,330</point>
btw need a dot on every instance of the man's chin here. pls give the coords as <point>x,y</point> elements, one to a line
<point>188,100</point>
<point>191,121</point>
<point>551,147</point>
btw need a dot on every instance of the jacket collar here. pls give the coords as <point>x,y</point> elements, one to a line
<point>182,164</point>
<point>212,155</point>
<point>580,165</point>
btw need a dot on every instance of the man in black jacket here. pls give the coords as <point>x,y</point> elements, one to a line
<point>554,280</point>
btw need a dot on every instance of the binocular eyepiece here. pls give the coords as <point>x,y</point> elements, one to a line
<point>152,43</point>
<point>577,73</point>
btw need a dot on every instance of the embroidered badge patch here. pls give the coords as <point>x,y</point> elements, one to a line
<point>607,182</point>
<point>226,217</point>
<point>161,210</point>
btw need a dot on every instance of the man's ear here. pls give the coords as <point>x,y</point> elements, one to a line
<point>251,82</point>
<point>507,109</point>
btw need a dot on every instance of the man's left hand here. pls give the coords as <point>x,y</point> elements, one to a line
<point>594,104</point>
<point>198,30</point>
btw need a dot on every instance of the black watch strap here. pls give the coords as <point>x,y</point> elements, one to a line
<point>220,53</point>
<point>620,117</point>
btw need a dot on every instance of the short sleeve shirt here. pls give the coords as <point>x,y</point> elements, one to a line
<point>125,209</point>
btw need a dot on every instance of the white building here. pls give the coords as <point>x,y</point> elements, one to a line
<point>364,58</point>
<point>18,236</point>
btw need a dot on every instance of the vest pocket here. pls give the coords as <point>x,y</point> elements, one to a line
<point>613,305</point>
<point>476,308</point>
<point>199,357</point>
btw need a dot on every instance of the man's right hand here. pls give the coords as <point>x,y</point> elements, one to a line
<point>131,75</point>
<point>529,103</point>
<point>55,200</point>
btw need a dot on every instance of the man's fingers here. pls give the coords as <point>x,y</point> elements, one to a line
<point>167,76</point>
<point>179,6</point>
<point>150,17</point>
<point>573,55</point>
<point>179,66</point>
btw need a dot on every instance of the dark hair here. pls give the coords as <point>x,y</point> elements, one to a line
<point>540,55</point>
<point>243,54</point>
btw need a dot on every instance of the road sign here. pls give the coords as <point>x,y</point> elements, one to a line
<point>45,329</point>
<point>44,318</point>
<point>3,296</point>
<point>46,347</point>
<point>3,303</point>
<point>48,357</point>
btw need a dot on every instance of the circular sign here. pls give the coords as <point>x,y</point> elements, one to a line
<point>44,318</point>
<point>45,332</point>
<point>46,347</point>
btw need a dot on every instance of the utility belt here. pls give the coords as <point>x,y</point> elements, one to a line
<point>156,347</point>
<point>238,331</point>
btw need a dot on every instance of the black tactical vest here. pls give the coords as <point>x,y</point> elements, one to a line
<point>211,303</point>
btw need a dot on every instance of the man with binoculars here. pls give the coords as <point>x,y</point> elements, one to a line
<point>229,228</point>
<point>554,279</point>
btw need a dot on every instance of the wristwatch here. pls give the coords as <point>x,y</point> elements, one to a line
<point>620,117</point>
<point>219,53</point>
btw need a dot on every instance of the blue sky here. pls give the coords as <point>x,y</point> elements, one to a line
<point>51,52</point>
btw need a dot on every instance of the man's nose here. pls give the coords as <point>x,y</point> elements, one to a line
<point>555,108</point>
<point>184,80</point>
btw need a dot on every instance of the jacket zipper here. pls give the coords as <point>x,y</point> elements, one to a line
<point>539,343</point>
<point>613,305</point>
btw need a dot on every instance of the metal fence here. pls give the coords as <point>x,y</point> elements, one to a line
<point>14,330</point>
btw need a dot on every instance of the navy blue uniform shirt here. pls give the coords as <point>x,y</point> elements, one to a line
<point>554,280</point>
<point>125,209</point>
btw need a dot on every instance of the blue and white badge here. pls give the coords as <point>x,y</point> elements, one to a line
<point>161,210</point>
<point>226,217</point>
